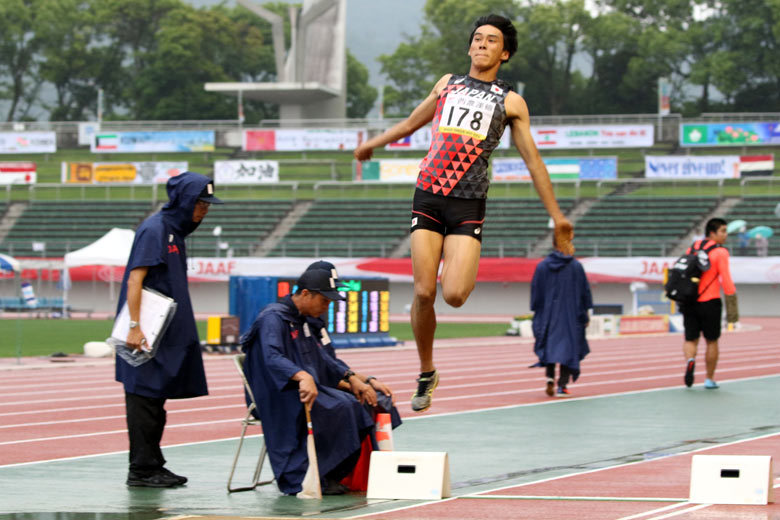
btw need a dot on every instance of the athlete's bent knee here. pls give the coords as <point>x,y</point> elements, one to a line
<point>456,298</point>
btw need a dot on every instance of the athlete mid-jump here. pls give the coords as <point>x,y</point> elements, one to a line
<point>469,114</point>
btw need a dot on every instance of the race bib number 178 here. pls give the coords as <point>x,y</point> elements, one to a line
<point>466,115</point>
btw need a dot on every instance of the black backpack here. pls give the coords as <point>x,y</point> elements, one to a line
<point>682,282</point>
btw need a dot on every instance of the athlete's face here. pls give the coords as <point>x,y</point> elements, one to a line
<point>487,47</point>
<point>720,235</point>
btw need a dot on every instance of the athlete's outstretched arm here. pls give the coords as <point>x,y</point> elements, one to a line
<point>520,123</point>
<point>420,116</point>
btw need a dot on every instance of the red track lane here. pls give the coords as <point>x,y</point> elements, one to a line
<point>83,408</point>
<point>667,477</point>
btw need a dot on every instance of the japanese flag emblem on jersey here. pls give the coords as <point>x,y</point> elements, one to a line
<point>495,89</point>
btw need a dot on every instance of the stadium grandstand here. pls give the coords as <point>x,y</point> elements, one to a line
<point>313,202</point>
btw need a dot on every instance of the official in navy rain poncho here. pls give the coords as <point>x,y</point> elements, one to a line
<point>286,366</point>
<point>560,299</point>
<point>158,261</point>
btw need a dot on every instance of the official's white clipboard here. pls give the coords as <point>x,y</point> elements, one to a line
<point>157,311</point>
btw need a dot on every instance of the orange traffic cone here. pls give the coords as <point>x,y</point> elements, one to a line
<point>384,432</point>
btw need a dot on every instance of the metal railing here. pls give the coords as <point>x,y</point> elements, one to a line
<point>153,193</point>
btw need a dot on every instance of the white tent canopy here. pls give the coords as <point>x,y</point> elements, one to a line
<point>113,248</point>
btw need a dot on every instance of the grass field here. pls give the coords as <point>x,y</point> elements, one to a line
<point>43,337</point>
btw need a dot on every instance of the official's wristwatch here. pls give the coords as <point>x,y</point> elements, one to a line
<point>133,324</point>
<point>347,375</point>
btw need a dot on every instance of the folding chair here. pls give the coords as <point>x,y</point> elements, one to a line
<point>249,420</point>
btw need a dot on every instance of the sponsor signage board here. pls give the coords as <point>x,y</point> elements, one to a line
<point>249,171</point>
<point>28,142</point>
<point>159,141</point>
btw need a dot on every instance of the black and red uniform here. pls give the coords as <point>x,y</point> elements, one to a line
<point>453,182</point>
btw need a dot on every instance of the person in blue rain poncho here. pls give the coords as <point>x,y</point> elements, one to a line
<point>287,366</point>
<point>158,261</point>
<point>560,299</point>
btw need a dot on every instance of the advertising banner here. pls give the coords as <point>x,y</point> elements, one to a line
<point>301,139</point>
<point>729,134</point>
<point>593,136</point>
<point>250,172</point>
<point>419,140</point>
<point>17,173</point>
<point>515,169</point>
<point>692,166</point>
<point>162,141</point>
<point>28,142</point>
<point>146,172</point>
<point>399,170</point>
<point>621,270</point>
<point>87,132</point>
<point>664,94</point>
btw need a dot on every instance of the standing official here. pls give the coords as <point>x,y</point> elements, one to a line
<point>158,261</point>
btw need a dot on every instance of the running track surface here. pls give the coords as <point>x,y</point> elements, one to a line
<point>55,411</point>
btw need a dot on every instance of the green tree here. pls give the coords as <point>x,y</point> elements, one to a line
<point>748,70</point>
<point>192,47</point>
<point>550,35</point>
<point>20,79</point>
<point>131,28</point>
<point>360,95</point>
<point>441,48</point>
<point>72,60</point>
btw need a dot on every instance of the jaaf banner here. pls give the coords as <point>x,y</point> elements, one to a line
<point>158,141</point>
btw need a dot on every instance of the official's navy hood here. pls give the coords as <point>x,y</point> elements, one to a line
<point>557,260</point>
<point>183,192</point>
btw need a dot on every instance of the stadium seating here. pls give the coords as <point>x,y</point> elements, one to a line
<point>65,226</point>
<point>244,225</point>
<point>630,226</point>
<point>756,211</point>
<point>348,227</point>
<point>513,227</point>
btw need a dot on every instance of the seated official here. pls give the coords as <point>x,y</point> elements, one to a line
<point>385,399</point>
<point>287,369</point>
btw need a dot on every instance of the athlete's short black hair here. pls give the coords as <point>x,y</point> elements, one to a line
<point>713,225</point>
<point>502,24</point>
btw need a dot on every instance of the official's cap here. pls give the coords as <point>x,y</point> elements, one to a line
<point>325,266</point>
<point>321,281</point>
<point>207,195</point>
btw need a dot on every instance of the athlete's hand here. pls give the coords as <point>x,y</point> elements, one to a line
<point>564,233</point>
<point>363,152</point>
